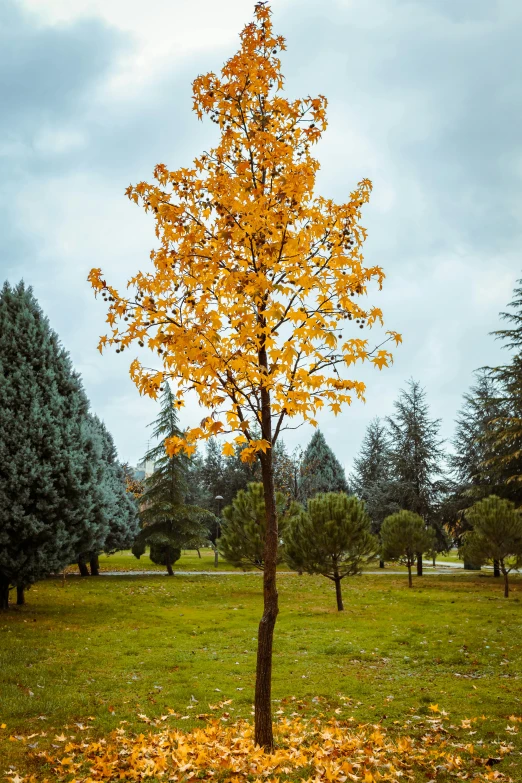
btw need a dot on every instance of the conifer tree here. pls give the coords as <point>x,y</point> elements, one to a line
<point>504,438</point>
<point>404,537</point>
<point>321,471</point>
<point>496,535</point>
<point>45,473</point>
<point>371,476</point>
<point>471,480</point>
<point>168,523</point>
<point>243,529</point>
<point>416,458</point>
<point>332,537</point>
<point>114,508</point>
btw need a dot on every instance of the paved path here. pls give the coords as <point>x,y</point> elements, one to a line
<point>428,570</point>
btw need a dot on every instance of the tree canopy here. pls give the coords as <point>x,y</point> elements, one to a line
<point>403,536</point>
<point>331,537</point>
<point>496,535</point>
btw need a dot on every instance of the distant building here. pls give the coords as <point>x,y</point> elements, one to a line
<point>144,469</point>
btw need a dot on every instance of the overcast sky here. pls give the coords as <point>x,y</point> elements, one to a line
<point>424,99</point>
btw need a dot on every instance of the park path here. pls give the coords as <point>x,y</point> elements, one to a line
<point>437,571</point>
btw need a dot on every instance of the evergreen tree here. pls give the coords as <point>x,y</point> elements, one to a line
<point>243,529</point>
<point>371,478</point>
<point>471,481</point>
<point>416,458</point>
<point>168,523</point>
<point>404,537</point>
<point>504,437</point>
<point>115,509</point>
<point>45,474</point>
<point>496,535</point>
<point>332,537</point>
<point>321,471</point>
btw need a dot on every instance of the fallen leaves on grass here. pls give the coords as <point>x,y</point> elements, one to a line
<point>315,750</point>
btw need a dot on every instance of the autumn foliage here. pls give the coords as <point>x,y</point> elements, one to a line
<point>250,260</point>
<point>251,299</point>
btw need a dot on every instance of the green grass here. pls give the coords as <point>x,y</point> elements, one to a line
<point>101,651</point>
<point>189,561</point>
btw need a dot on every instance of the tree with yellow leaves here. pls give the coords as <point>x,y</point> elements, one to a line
<point>250,298</point>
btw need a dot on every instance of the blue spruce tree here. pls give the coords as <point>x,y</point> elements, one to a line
<point>45,472</point>
<point>320,470</point>
<point>114,511</point>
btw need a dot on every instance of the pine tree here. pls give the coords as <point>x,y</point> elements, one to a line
<point>332,537</point>
<point>404,537</point>
<point>416,457</point>
<point>321,471</point>
<point>44,466</point>
<point>169,524</point>
<point>243,528</point>
<point>371,476</point>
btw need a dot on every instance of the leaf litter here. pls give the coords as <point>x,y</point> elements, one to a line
<point>313,750</point>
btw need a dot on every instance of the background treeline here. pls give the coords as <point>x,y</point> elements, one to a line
<point>64,496</point>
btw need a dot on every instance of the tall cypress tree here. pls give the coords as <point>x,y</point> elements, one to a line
<point>44,471</point>
<point>416,457</point>
<point>168,523</point>
<point>321,471</point>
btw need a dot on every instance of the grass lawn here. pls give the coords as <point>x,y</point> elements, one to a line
<point>125,561</point>
<point>84,659</point>
<point>189,561</point>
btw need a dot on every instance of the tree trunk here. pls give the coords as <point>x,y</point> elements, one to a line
<point>410,580</point>
<point>20,596</point>
<point>4,595</point>
<point>95,565</point>
<point>381,563</point>
<point>263,693</point>
<point>434,561</point>
<point>496,568</point>
<point>170,572</point>
<point>82,565</point>
<point>506,578</point>
<point>216,556</point>
<point>338,594</point>
<point>199,553</point>
<point>419,563</point>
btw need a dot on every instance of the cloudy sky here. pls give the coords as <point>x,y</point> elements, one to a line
<point>424,99</point>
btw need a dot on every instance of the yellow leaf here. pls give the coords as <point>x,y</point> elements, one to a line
<point>228,450</point>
